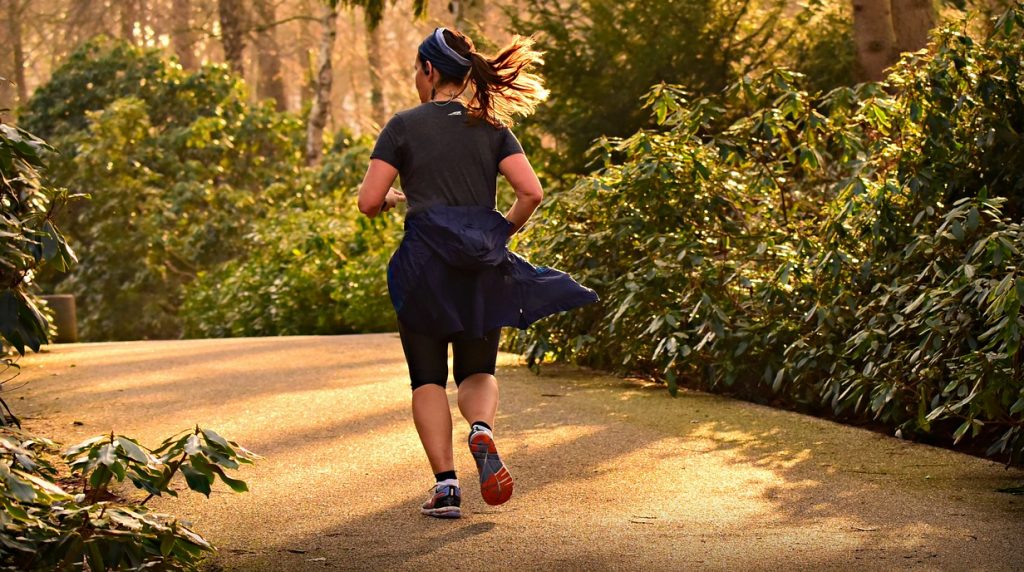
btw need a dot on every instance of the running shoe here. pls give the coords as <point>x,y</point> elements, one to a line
<point>444,502</point>
<point>495,480</point>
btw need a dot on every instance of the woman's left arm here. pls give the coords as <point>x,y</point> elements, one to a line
<point>375,192</point>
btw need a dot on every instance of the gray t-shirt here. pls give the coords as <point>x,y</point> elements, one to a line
<point>442,157</point>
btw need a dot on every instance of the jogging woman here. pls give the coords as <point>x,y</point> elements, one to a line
<point>453,279</point>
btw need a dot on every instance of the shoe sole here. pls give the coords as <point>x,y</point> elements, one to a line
<point>495,481</point>
<point>443,512</point>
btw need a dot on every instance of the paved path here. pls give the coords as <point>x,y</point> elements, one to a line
<point>610,474</point>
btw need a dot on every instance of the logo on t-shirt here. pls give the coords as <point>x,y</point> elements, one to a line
<point>455,113</point>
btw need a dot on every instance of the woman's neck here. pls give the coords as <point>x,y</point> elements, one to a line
<point>447,93</point>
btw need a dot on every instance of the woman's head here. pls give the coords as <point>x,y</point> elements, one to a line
<point>502,87</point>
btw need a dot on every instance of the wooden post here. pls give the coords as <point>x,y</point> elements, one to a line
<point>64,317</point>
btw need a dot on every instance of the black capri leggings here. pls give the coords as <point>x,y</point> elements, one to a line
<point>428,357</point>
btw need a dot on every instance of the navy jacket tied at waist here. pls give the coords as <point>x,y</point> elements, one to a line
<point>453,272</point>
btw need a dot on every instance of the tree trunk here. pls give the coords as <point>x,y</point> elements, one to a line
<point>912,20</point>
<point>306,56</point>
<point>14,12</point>
<point>145,26</point>
<point>271,82</point>
<point>355,83</point>
<point>129,16</point>
<point>471,12</point>
<point>158,18</point>
<point>182,37</point>
<point>80,23</point>
<point>232,31</point>
<point>374,62</point>
<point>875,38</point>
<point>322,89</point>
<point>7,97</point>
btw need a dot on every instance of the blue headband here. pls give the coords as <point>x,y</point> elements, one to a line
<point>436,51</point>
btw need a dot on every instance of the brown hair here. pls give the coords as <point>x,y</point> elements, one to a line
<point>502,86</point>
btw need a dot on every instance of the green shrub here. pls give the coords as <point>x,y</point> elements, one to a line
<point>30,236</point>
<point>31,241</point>
<point>856,252</point>
<point>315,271</point>
<point>180,167</point>
<point>313,266</point>
<point>44,527</point>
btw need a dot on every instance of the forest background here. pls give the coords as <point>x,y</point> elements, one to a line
<point>770,203</point>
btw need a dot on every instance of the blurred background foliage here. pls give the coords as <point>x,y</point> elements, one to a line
<point>315,266</point>
<point>601,57</point>
<point>178,168</point>
<point>755,221</point>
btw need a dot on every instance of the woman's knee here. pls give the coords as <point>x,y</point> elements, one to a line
<point>477,378</point>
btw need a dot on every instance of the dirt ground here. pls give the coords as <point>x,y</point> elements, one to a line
<point>610,474</point>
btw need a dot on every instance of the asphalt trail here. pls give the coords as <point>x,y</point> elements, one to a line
<point>611,474</point>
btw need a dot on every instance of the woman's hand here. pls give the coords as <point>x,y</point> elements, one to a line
<point>392,199</point>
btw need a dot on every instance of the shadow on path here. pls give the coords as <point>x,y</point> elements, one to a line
<point>610,474</point>
<point>617,475</point>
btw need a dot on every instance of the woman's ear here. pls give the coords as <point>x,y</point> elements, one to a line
<point>427,68</point>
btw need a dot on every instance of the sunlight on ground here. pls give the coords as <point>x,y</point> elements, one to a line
<point>602,465</point>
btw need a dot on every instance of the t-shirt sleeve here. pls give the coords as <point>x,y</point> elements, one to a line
<point>508,144</point>
<point>390,146</point>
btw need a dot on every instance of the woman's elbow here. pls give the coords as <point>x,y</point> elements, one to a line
<point>368,209</point>
<point>533,197</point>
<point>529,193</point>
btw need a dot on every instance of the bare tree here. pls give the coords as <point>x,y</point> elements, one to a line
<point>81,23</point>
<point>128,11</point>
<point>144,23</point>
<point>875,37</point>
<point>322,87</point>
<point>183,39</point>
<point>468,12</point>
<point>232,29</point>
<point>270,82</point>
<point>7,97</point>
<point>374,61</point>
<point>913,20</point>
<point>304,54</point>
<point>355,78</point>
<point>15,10</point>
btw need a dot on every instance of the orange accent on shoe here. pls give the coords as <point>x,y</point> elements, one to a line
<point>497,486</point>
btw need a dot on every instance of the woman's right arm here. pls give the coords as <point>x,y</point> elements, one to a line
<point>376,188</point>
<point>520,174</point>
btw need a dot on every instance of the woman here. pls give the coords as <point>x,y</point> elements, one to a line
<point>453,279</point>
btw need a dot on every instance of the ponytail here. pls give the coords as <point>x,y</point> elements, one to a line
<point>502,86</point>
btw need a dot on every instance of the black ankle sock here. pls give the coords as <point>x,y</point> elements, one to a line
<point>480,424</point>
<point>445,475</point>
